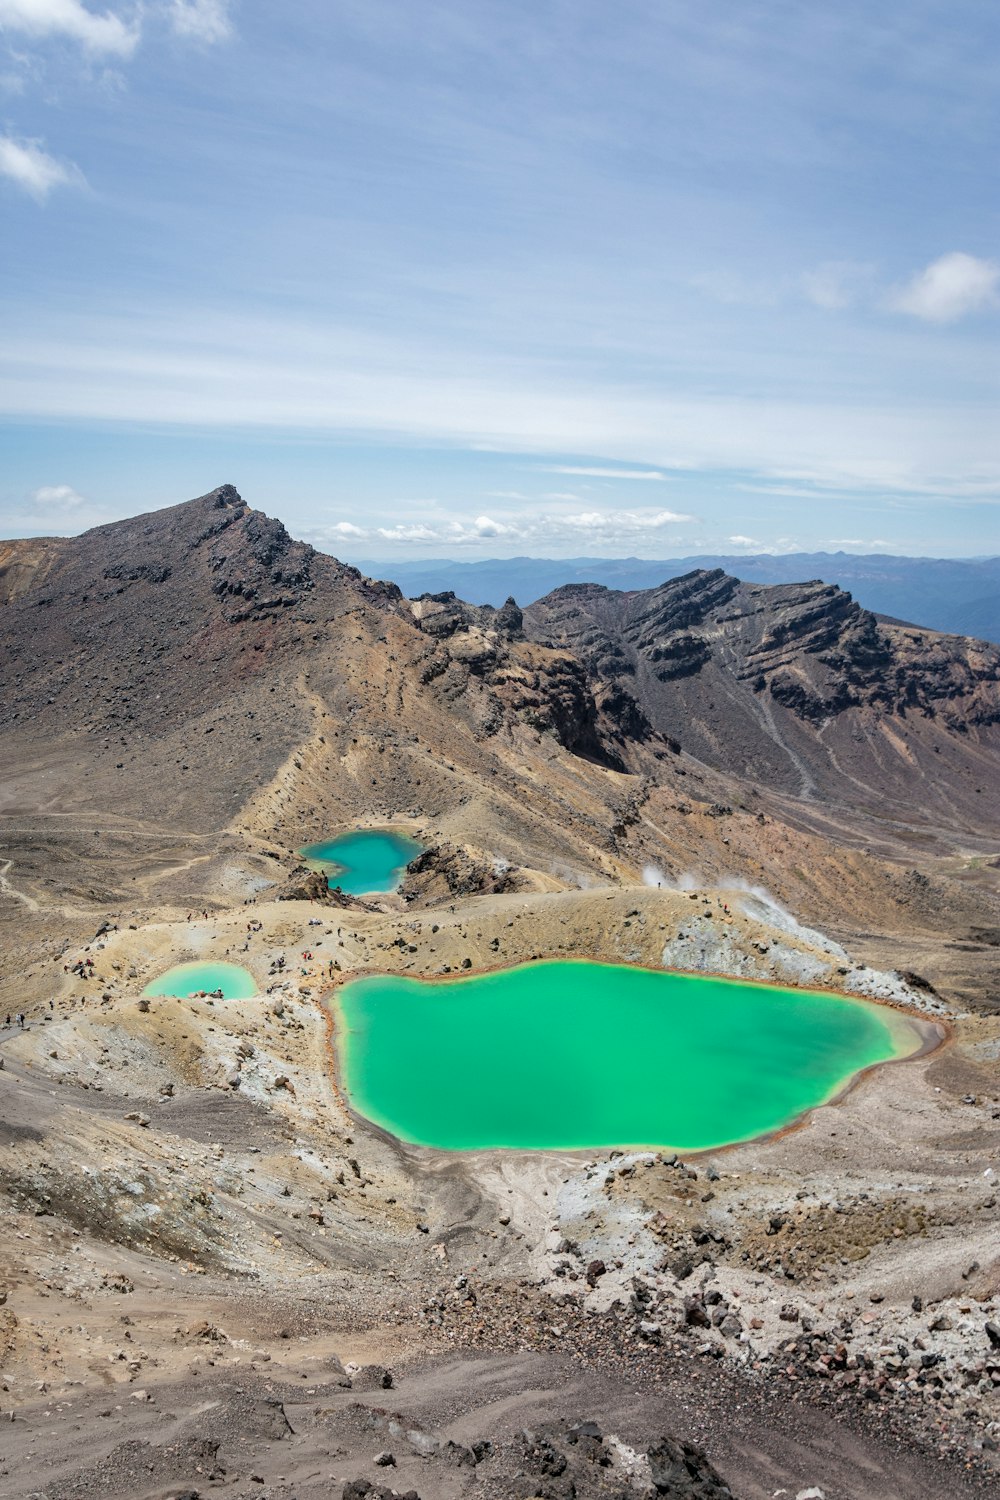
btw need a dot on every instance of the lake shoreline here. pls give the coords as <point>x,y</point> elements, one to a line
<point>922,1036</point>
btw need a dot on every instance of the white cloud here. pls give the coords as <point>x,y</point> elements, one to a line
<point>521,529</point>
<point>33,169</point>
<point>201,365</point>
<point>57,497</point>
<point>104,33</point>
<point>418,533</point>
<point>456,532</point>
<point>608,473</point>
<point>836,284</point>
<point>483,526</point>
<point>201,20</point>
<point>949,288</point>
<point>617,522</point>
<point>853,541</point>
<point>778,548</point>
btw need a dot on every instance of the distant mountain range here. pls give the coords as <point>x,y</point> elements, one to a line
<point>959,596</point>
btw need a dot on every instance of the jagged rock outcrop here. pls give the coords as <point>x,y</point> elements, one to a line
<point>445,870</point>
<point>313,885</point>
<point>544,688</point>
<point>750,677</point>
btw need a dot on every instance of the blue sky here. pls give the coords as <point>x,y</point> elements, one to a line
<point>535,276</point>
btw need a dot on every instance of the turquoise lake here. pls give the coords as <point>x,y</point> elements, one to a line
<point>577,1055</point>
<point>236,983</point>
<point>364,862</point>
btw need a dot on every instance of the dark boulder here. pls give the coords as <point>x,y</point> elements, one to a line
<point>682,1472</point>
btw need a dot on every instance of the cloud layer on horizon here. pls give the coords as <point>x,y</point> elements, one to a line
<point>592,527</point>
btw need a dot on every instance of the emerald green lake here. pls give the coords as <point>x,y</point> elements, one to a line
<point>365,861</point>
<point>571,1055</point>
<point>235,982</point>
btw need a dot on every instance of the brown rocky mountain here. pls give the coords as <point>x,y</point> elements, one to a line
<point>129,648</point>
<point>796,687</point>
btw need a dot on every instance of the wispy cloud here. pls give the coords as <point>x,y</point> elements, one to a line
<point>57,497</point>
<point>456,532</point>
<point>205,21</point>
<point>608,473</point>
<point>585,527</point>
<point>103,33</point>
<point>623,522</point>
<point>875,544</point>
<point>204,366</point>
<point>779,548</point>
<point>107,33</point>
<point>950,288</point>
<point>837,284</point>
<point>33,170</point>
<point>51,510</point>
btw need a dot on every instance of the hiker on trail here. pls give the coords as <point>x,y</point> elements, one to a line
<point>189,916</point>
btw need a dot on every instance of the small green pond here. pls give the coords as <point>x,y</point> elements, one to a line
<point>577,1055</point>
<point>182,980</point>
<point>365,861</point>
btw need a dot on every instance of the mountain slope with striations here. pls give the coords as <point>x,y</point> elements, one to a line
<point>796,687</point>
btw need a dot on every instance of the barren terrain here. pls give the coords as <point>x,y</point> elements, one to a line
<point>204,1253</point>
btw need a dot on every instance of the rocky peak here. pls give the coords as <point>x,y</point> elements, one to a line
<point>714,662</point>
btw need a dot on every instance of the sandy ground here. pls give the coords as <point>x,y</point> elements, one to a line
<point>189,1202</point>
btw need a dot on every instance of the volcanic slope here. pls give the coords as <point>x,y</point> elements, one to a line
<point>795,687</point>
<point>169,669</point>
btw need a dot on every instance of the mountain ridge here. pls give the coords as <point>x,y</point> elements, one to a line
<point>954,596</point>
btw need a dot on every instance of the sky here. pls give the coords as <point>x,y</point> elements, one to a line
<point>474,278</point>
